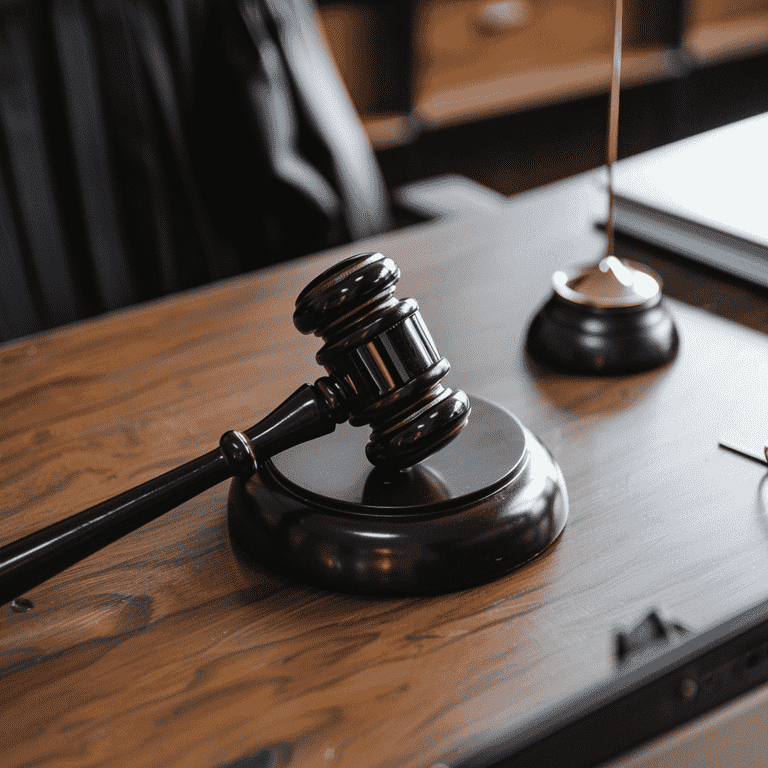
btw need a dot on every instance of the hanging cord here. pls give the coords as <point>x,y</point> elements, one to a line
<point>613,119</point>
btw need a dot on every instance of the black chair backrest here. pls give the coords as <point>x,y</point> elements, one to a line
<point>148,146</point>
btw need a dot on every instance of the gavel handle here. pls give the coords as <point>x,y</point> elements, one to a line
<point>37,557</point>
<point>30,561</point>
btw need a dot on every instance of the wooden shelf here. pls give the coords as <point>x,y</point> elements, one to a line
<point>722,40</point>
<point>559,51</point>
<point>534,86</point>
<point>498,94</point>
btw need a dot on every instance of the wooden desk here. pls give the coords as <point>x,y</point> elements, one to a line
<point>164,650</point>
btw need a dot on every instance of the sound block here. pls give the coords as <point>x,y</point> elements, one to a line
<point>320,514</point>
<point>595,324</point>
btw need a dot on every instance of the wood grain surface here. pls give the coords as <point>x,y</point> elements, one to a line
<point>165,650</point>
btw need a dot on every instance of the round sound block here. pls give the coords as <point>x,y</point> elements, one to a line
<point>604,319</point>
<point>482,506</point>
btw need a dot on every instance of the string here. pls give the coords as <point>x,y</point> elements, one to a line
<point>613,119</point>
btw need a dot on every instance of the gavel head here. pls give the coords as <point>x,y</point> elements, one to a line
<point>379,352</point>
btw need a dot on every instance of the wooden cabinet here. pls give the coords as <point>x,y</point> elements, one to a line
<point>471,59</point>
<point>724,29</point>
<point>560,49</point>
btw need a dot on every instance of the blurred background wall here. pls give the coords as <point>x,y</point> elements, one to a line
<point>514,94</point>
<point>150,146</point>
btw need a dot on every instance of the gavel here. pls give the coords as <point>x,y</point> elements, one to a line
<point>383,369</point>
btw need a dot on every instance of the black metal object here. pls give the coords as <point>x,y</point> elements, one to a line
<point>651,636</point>
<point>644,698</point>
<point>384,370</point>
<point>382,355</point>
<point>585,333</point>
<point>488,502</point>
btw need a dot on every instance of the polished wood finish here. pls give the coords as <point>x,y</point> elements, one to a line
<point>477,59</point>
<point>491,501</point>
<point>165,649</point>
<point>725,29</point>
<point>714,40</point>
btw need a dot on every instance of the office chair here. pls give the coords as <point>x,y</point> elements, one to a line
<point>149,146</point>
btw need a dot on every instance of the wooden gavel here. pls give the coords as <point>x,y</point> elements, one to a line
<point>383,370</point>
